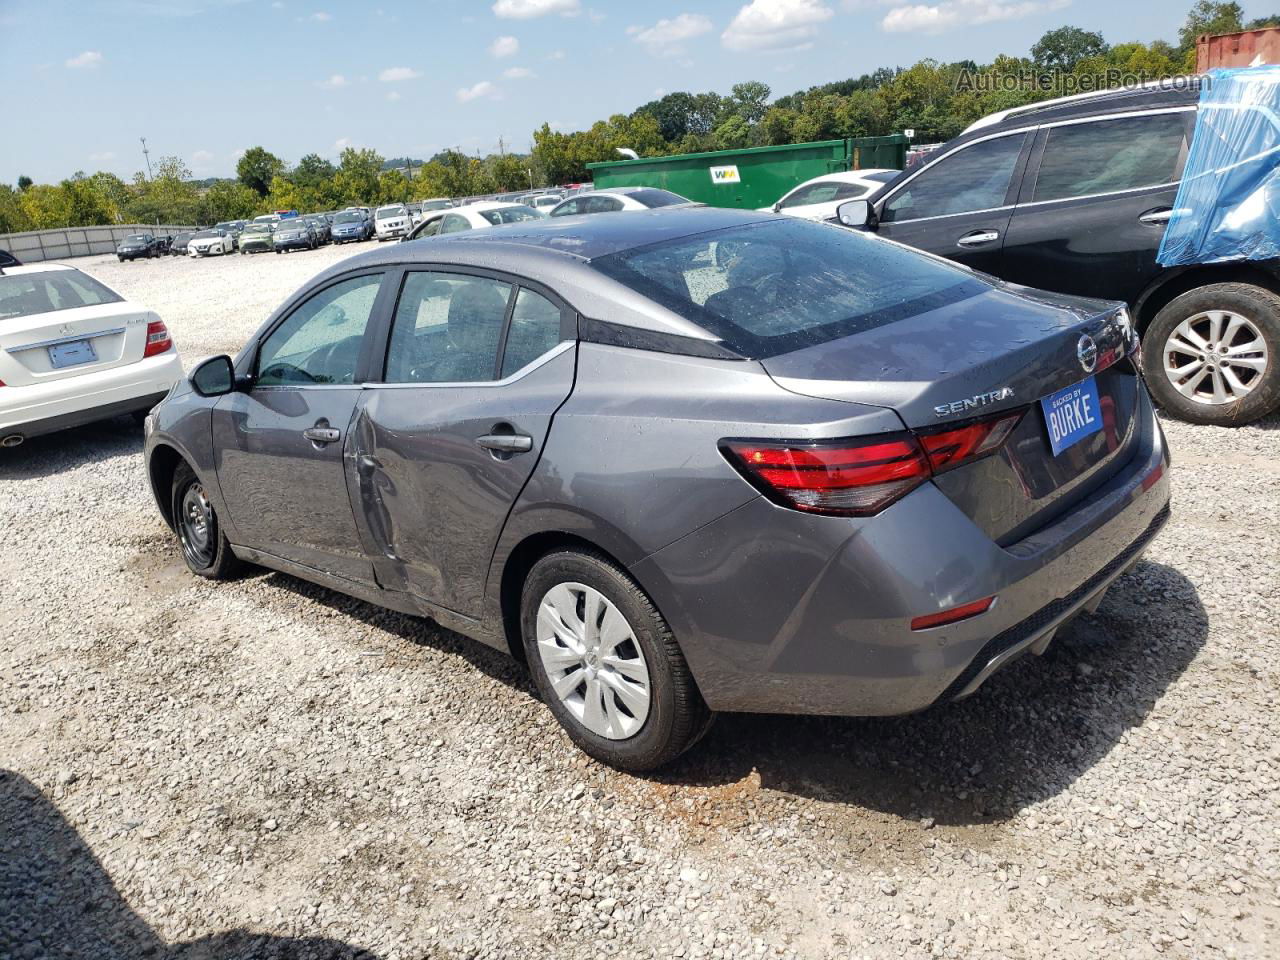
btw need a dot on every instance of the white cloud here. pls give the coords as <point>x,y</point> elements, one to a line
<point>393,96</point>
<point>528,9</point>
<point>86,60</point>
<point>665,37</point>
<point>484,88</point>
<point>504,47</point>
<point>398,74</point>
<point>518,73</point>
<point>342,143</point>
<point>321,17</point>
<point>201,162</point>
<point>596,16</point>
<point>335,82</point>
<point>937,17</point>
<point>556,55</point>
<point>776,25</point>
<point>100,158</point>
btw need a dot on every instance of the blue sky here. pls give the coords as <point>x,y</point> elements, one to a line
<point>204,79</point>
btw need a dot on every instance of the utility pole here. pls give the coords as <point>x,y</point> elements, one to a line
<point>146,155</point>
<point>501,151</point>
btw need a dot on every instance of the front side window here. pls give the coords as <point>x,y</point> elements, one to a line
<point>781,285</point>
<point>1103,156</point>
<point>974,178</point>
<point>454,223</point>
<point>319,343</point>
<point>535,329</point>
<point>568,208</point>
<point>447,328</point>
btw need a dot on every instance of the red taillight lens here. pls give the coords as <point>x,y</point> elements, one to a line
<point>158,339</point>
<point>954,446</point>
<point>861,477</point>
<point>850,478</point>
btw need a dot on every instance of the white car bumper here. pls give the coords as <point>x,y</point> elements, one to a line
<point>31,410</point>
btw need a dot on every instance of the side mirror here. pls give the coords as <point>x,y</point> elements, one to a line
<point>214,377</point>
<point>777,206</point>
<point>856,213</point>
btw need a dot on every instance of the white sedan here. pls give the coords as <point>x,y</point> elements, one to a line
<point>617,200</point>
<point>818,198</point>
<point>471,216</point>
<point>207,243</point>
<point>73,351</point>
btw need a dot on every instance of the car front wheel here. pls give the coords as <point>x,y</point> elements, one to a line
<point>204,546</point>
<point>1212,355</point>
<point>606,663</point>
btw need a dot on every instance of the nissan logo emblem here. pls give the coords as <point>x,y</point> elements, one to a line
<point>1087,353</point>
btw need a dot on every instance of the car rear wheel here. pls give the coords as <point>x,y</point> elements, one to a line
<point>606,664</point>
<point>1212,355</point>
<point>204,546</point>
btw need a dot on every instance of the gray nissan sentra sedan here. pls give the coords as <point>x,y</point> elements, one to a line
<point>680,462</point>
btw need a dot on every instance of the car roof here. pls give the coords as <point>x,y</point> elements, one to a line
<point>38,268</point>
<point>557,253</point>
<point>1180,92</point>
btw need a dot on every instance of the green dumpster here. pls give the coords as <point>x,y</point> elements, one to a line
<point>754,177</point>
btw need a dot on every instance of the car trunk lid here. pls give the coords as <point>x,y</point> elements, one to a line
<point>65,343</point>
<point>1002,350</point>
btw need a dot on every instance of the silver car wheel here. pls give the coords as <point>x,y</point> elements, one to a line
<point>1215,357</point>
<point>593,661</point>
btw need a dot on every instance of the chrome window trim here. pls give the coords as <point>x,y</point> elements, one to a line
<point>68,339</point>
<point>879,206</point>
<point>524,371</point>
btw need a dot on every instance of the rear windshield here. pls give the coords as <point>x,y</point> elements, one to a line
<point>656,198</point>
<point>516,214</point>
<point>770,288</point>
<point>24,295</point>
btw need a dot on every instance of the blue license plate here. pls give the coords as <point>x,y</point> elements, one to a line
<point>1072,414</point>
<point>71,354</point>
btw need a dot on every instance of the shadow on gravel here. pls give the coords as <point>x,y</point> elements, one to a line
<point>1026,735</point>
<point>56,899</point>
<point>417,630</point>
<point>65,450</point>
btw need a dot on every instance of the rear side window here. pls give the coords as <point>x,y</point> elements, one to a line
<point>1103,156</point>
<point>447,328</point>
<point>24,295</point>
<point>824,192</point>
<point>657,198</point>
<point>535,329</point>
<point>974,178</point>
<point>601,205</point>
<point>773,287</point>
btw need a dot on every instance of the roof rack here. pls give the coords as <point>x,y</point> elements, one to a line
<point>1000,115</point>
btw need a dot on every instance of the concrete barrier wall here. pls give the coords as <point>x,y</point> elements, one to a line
<point>34,246</point>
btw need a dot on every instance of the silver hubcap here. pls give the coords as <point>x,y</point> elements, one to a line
<point>1215,357</point>
<point>592,658</point>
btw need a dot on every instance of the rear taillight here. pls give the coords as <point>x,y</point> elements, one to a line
<point>860,477</point>
<point>158,339</point>
<point>849,477</point>
<point>953,446</point>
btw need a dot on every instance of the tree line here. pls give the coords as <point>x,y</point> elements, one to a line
<point>937,100</point>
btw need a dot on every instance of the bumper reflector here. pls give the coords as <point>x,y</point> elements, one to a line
<point>955,614</point>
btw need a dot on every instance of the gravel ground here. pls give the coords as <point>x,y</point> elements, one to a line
<point>266,768</point>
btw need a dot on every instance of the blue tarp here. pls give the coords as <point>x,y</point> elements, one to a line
<point>1228,205</point>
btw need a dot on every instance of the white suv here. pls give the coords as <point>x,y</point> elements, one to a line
<point>391,221</point>
<point>73,351</point>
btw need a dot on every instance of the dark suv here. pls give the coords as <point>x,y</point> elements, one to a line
<point>1073,195</point>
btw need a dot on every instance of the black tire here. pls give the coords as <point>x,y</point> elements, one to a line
<point>207,554</point>
<point>677,715</point>
<point>1257,305</point>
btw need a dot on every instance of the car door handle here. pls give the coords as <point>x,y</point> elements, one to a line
<point>978,238</point>
<point>1157,216</point>
<point>322,434</point>
<point>506,442</point>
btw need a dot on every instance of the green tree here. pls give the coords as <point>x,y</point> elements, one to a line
<point>357,175</point>
<point>749,100</point>
<point>393,187</point>
<point>257,167</point>
<point>1209,16</point>
<point>312,171</point>
<point>1065,47</point>
<point>24,182</point>
<point>168,197</point>
<point>12,217</point>
<point>229,200</point>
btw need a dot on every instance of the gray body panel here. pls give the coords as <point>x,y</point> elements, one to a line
<point>775,610</point>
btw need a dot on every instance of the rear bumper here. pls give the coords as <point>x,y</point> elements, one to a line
<point>42,408</point>
<point>783,612</point>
